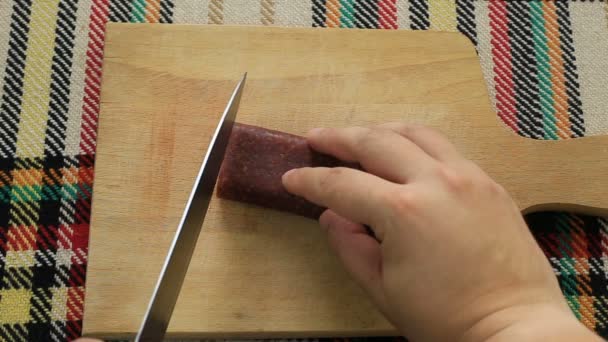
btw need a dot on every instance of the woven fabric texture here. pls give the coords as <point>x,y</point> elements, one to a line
<point>544,63</point>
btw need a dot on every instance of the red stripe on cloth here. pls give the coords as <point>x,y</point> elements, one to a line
<point>578,237</point>
<point>64,237</point>
<point>74,303</point>
<point>83,211</point>
<point>503,69</point>
<point>85,175</point>
<point>73,329</point>
<point>46,237</point>
<point>77,275</point>
<point>79,239</point>
<point>3,237</point>
<point>387,14</point>
<point>603,235</point>
<point>21,238</point>
<point>548,243</point>
<point>90,107</point>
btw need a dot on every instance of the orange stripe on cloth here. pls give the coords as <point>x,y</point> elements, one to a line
<point>27,177</point>
<point>70,175</point>
<point>152,11</point>
<point>31,177</point>
<point>587,311</point>
<point>5,178</point>
<point>332,13</point>
<point>53,177</point>
<point>560,98</point>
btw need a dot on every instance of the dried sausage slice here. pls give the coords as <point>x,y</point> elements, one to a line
<point>255,160</point>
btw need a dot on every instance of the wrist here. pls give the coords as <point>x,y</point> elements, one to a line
<point>530,323</point>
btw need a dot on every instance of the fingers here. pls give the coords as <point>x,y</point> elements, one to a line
<point>429,140</point>
<point>380,151</point>
<point>330,219</point>
<point>359,252</point>
<point>349,192</point>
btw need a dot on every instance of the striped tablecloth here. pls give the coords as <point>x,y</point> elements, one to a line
<point>545,64</point>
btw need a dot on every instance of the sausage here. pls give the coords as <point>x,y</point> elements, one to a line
<point>256,158</point>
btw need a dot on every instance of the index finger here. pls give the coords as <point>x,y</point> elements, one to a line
<point>382,152</point>
<point>351,193</point>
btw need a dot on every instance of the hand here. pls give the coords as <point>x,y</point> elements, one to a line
<point>453,259</point>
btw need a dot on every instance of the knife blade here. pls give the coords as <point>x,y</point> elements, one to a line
<point>169,284</point>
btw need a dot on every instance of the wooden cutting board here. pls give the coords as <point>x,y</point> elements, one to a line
<point>256,272</point>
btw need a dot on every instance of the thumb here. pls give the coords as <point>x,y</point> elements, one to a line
<point>359,252</point>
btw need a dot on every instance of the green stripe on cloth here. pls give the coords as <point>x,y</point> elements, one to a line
<point>32,193</point>
<point>541,50</point>
<point>347,10</point>
<point>26,193</point>
<point>138,13</point>
<point>564,232</point>
<point>574,305</point>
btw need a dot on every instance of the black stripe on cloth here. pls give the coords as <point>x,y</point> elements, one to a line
<point>6,179</point>
<point>41,304</point>
<point>23,213</point>
<point>318,13</point>
<point>72,329</point>
<point>599,305</point>
<point>465,14</point>
<point>82,204</point>
<point>3,240</point>
<point>44,257</point>
<point>575,105</point>
<point>13,332</point>
<point>419,15</point>
<point>525,74</point>
<point>12,90</point>
<point>39,331</point>
<point>166,11</point>
<point>51,192</point>
<point>120,11</point>
<point>17,277</point>
<point>61,276</point>
<point>86,160</point>
<point>366,14</point>
<point>59,332</point>
<point>60,78</point>
<point>68,205</point>
<point>77,275</point>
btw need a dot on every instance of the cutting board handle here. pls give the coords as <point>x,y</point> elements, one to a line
<point>564,175</point>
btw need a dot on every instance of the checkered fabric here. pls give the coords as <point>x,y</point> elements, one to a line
<point>544,63</point>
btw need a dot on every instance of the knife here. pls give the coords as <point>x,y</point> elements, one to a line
<point>172,275</point>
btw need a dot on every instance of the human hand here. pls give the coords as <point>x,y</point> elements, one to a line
<point>453,259</point>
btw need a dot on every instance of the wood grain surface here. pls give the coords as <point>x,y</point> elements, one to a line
<point>256,272</point>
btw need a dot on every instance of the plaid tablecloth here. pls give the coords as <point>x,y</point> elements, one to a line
<point>545,64</point>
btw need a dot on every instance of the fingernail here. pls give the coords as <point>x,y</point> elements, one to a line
<point>287,174</point>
